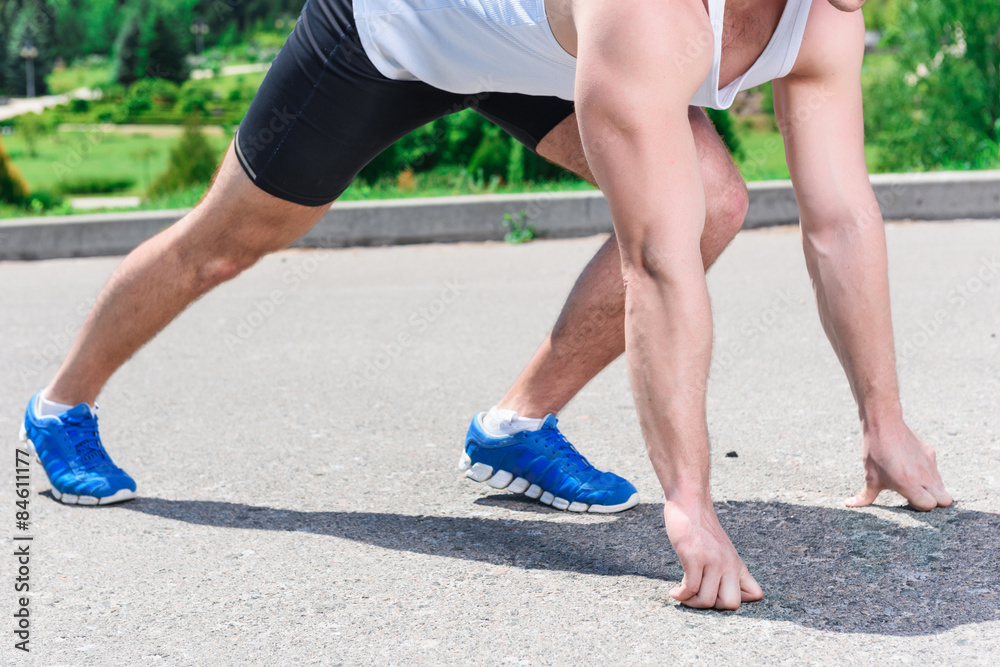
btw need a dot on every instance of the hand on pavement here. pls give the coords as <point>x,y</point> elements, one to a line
<point>899,461</point>
<point>714,574</point>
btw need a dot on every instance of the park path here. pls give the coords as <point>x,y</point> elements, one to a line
<point>22,105</point>
<point>294,437</point>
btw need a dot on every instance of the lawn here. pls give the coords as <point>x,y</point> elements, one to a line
<point>77,156</point>
<point>75,76</point>
<point>763,157</point>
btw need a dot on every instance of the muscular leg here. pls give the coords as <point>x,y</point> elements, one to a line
<point>234,226</point>
<point>590,331</point>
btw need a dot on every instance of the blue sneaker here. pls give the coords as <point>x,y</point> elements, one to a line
<point>70,450</point>
<point>542,464</point>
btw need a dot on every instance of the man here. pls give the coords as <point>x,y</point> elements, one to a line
<point>818,104</point>
<point>341,91</point>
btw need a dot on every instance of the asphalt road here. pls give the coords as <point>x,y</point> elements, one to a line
<point>295,434</point>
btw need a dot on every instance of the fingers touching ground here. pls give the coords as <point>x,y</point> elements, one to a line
<point>904,464</point>
<point>711,588</point>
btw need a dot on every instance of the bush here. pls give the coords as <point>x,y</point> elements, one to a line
<point>41,201</point>
<point>147,94</point>
<point>32,127</point>
<point>192,162</point>
<point>13,187</point>
<point>723,123</point>
<point>95,185</point>
<point>195,99</point>
<point>492,156</point>
<point>939,106</point>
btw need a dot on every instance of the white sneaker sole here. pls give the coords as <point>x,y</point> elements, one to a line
<point>502,479</point>
<point>69,498</point>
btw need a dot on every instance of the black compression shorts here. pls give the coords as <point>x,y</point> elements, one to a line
<point>324,111</point>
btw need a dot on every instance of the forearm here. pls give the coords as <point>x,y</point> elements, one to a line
<point>847,261</point>
<point>668,327</point>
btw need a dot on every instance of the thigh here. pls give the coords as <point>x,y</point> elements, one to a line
<point>324,110</point>
<point>527,118</point>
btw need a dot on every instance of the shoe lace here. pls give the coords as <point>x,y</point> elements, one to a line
<point>86,441</point>
<point>553,438</point>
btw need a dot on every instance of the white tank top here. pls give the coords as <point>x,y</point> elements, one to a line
<point>506,46</point>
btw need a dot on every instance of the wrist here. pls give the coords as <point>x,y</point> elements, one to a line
<point>688,495</point>
<point>884,418</point>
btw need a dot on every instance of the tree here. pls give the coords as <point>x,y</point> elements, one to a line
<point>165,52</point>
<point>32,127</point>
<point>70,31</point>
<point>13,188</point>
<point>33,21</point>
<point>939,106</point>
<point>128,55</point>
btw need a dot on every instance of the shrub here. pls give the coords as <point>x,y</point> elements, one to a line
<point>723,123</point>
<point>40,201</point>
<point>95,185</point>
<point>192,162</point>
<point>13,187</point>
<point>492,156</point>
<point>32,127</point>
<point>194,100</point>
<point>939,106</point>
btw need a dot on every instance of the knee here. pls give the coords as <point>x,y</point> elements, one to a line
<point>215,258</point>
<point>728,211</point>
<point>217,268</point>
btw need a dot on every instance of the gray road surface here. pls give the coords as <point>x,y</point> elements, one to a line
<point>295,434</point>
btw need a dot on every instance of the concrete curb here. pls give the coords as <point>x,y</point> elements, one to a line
<point>932,196</point>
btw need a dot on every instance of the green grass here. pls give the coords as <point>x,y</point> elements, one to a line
<point>76,155</point>
<point>453,181</point>
<point>763,156</point>
<point>431,184</point>
<point>78,76</point>
<point>223,85</point>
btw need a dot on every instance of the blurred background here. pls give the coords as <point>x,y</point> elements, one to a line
<point>112,104</point>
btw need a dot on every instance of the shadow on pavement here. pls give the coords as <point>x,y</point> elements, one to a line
<point>831,569</point>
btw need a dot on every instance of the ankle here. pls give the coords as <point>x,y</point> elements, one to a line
<point>54,394</point>
<point>529,409</point>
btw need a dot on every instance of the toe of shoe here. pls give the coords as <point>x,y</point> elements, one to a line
<point>96,486</point>
<point>608,489</point>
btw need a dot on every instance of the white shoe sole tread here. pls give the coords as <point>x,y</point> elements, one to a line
<point>69,498</point>
<point>502,479</point>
